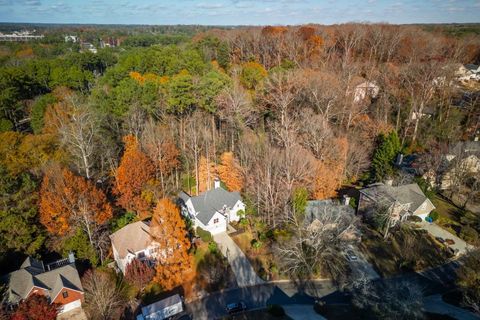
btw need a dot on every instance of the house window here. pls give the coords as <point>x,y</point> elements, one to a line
<point>65,294</point>
<point>141,255</point>
<point>215,220</point>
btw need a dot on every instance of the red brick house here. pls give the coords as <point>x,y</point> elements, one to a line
<point>58,281</point>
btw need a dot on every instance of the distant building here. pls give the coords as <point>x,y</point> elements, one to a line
<point>20,36</point>
<point>214,209</point>
<point>87,46</point>
<point>364,90</point>
<point>468,72</point>
<point>58,281</point>
<point>70,38</point>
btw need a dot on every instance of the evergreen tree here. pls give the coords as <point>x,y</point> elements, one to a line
<point>384,156</point>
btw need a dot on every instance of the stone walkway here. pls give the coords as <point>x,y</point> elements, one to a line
<point>437,231</point>
<point>243,270</point>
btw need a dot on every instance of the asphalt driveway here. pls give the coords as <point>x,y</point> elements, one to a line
<point>243,270</point>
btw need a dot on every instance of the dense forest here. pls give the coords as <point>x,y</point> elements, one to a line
<point>90,142</point>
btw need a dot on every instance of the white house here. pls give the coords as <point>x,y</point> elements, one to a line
<point>133,241</point>
<point>214,209</point>
<point>468,72</point>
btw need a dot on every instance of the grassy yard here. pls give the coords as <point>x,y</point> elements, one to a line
<point>453,218</point>
<point>261,258</point>
<point>405,250</point>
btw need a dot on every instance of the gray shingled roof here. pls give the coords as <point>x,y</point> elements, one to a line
<point>316,208</point>
<point>209,202</point>
<point>21,282</point>
<point>131,238</point>
<point>384,194</point>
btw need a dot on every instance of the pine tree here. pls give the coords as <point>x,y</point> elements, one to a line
<point>384,156</point>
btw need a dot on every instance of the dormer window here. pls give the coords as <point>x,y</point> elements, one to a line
<point>215,220</point>
<point>141,255</point>
<point>65,294</point>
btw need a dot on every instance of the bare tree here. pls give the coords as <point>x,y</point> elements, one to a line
<point>79,134</point>
<point>103,296</point>
<point>317,246</point>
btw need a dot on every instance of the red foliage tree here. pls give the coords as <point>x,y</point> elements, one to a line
<point>36,307</point>
<point>138,273</point>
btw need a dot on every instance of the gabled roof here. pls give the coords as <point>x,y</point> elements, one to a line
<point>132,238</point>
<point>21,282</point>
<point>208,203</point>
<point>316,208</point>
<point>385,194</point>
<point>160,305</point>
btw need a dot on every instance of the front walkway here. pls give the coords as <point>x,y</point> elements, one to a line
<point>302,312</point>
<point>243,270</point>
<point>435,304</point>
<point>437,231</point>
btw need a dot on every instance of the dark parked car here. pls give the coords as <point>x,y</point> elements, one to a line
<point>236,307</point>
<point>439,239</point>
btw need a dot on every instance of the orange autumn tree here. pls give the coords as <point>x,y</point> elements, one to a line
<point>168,229</point>
<point>132,175</point>
<point>68,202</point>
<point>330,172</point>
<point>230,172</point>
<point>206,174</point>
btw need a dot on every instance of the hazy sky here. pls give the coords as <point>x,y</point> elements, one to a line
<point>236,12</point>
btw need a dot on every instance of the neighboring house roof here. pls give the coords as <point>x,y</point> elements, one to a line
<point>160,305</point>
<point>467,147</point>
<point>472,67</point>
<point>406,194</point>
<point>316,208</point>
<point>32,274</point>
<point>208,203</point>
<point>132,238</point>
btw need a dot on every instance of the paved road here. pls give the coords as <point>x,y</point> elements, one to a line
<point>243,270</point>
<point>435,304</point>
<point>259,296</point>
<point>302,312</point>
<point>437,231</point>
<point>434,281</point>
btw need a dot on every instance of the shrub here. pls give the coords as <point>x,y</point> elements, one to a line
<point>276,310</point>
<point>434,215</point>
<point>212,247</point>
<point>414,219</point>
<point>469,234</point>
<point>256,244</point>
<point>204,235</point>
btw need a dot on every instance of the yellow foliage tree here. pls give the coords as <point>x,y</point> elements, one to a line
<point>206,174</point>
<point>330,172</point>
